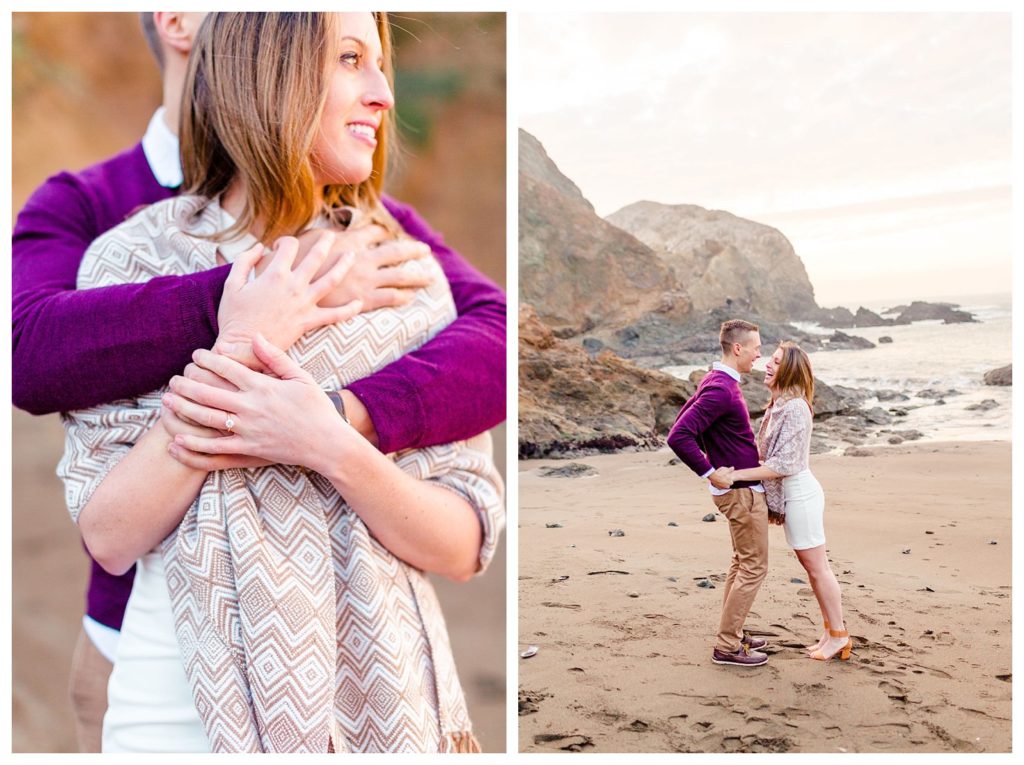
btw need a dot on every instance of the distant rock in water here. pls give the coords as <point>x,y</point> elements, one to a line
<point>572,404</point>
<point>716,256</point>
<point>842,341</point>
<point>920,310</point>
<point>884,339</point>
<point>983,406</point>
<point>1001,376</point>
<point>842,318</point>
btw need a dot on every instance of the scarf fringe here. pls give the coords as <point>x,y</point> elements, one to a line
<point>462,742</point>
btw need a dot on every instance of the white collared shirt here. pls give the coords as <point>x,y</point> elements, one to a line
<point>161,148</point>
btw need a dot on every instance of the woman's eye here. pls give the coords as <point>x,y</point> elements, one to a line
<point>351,59</point>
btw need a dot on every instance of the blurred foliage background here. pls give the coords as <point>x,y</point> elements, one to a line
<point>84,88</point>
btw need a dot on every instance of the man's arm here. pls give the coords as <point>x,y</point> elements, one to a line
<point>74,349</point>
<point>691,423</point>
<point>453,387</point>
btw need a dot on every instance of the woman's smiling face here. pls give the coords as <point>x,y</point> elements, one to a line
<point>773,364</point>
<point>357,98</point>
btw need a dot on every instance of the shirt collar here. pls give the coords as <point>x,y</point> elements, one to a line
<point>720,367</point>
<point>160,146</point>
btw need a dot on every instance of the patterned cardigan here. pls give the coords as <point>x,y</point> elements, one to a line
<point>784,445</point>
<point>298,630</point>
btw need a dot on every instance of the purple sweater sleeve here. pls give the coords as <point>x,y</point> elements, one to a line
<point>453,387</point>
<point>74,349</point>
<point>693,420</point>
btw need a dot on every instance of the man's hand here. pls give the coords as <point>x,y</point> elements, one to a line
<point>375,277</point>
<point>282,303</point>
<point>721,478</point>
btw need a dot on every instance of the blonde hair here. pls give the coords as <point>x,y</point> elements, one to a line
<point>793,374</point>
<point>254,97</point>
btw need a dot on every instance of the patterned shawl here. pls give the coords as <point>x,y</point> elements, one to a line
<point>298,630</point>
<point>784,445</point>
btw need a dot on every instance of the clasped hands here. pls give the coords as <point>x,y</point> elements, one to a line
<point>722,478</point>
<point>307,282</point>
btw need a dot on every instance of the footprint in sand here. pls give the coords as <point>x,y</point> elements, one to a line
<point>568,742</point>
<point>529,701</point>
<point>894,691</point>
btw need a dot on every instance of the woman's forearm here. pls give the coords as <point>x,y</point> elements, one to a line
<point>755,474</point>
<point>423,523</point>
<point>138,503</point>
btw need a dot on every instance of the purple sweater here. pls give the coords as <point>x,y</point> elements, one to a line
<point>713,428</point>
<point>74,349</point>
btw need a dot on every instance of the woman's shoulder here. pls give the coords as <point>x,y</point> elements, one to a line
<point>796,408</point>
<point>152,223</point>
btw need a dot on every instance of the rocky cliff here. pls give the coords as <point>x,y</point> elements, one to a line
<point>577,270</point>
<point>716,257</point>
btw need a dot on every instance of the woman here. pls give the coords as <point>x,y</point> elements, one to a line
<point>295,590</point>
<point>795,498</point>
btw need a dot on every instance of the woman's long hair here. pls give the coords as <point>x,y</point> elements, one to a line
<point>793,375</point>
<point>253,100</point>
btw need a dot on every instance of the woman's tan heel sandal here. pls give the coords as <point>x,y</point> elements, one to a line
<point>843,653</point>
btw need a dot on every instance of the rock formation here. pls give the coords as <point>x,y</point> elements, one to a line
<point>716,257</point>
<point>570,403</point>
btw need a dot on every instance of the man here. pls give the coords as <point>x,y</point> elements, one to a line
<point>712,433</point>
<point>77,349</point>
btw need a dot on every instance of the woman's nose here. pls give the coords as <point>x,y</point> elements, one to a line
<point>378,92</point>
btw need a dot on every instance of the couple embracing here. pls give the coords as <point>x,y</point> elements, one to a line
<point>762,481</point>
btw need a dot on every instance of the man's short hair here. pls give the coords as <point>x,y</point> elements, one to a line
<point>733,331</point>
<point>152,38</point>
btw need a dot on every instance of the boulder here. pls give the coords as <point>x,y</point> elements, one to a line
<point>572,404</point>
<point>1000,376</point>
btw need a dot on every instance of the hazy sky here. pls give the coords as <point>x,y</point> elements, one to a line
<point>879,144</point>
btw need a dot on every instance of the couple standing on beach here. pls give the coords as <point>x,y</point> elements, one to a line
<point>762,481</point>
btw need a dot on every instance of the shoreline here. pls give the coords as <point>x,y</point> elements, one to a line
<point>623,660</point>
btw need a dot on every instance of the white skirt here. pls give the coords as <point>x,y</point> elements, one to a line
<point>805,510</point>
<point>150,706</point>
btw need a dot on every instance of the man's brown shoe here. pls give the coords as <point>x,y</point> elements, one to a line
<point>740,658</point>
<point>753,643</point>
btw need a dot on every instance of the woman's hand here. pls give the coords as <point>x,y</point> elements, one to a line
<point>285,419</point>
<point>281,302</point>
<point>174,425</point>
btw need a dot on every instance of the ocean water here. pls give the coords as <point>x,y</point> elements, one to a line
<point>928,355</point>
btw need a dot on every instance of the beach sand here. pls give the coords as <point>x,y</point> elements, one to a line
<point>50,573</point>
<point>624,652</point>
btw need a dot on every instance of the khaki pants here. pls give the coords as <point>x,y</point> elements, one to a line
<point>747,512</point>
<point>90,672</point>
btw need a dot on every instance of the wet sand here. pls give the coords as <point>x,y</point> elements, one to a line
<point>49,579</point>
<point>625,634</point>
